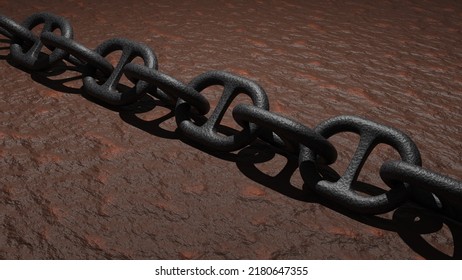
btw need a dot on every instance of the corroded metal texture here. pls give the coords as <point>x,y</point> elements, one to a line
<point>82,180</point>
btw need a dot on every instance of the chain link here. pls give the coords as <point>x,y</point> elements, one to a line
<point>26,52</point>
<point>407,179</point>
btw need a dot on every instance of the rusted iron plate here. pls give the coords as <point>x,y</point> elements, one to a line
<point>80,180</point>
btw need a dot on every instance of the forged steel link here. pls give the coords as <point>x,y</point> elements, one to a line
<point>28,54</point>
<point>371,134</point>
<point>407,179</point>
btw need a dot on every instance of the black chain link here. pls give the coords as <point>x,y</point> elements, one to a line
<point>407,179</point>
<point>26,47</point>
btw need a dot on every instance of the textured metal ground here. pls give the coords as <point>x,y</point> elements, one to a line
<point>79,180</point>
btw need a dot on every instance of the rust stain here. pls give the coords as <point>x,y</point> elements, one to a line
<point>95,241</point>
<point>277,107</point>
<point>50,93</point>
<point>375,231</point>
<point>257,43</point>
<point>253,191</point>
<point>188,255</point>
<point>316,27</point>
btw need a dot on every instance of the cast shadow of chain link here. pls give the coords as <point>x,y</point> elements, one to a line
<point>410,221</point>
<point>44,78</point>
<point>4,47</point>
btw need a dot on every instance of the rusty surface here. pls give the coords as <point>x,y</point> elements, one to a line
<point>79,180</point>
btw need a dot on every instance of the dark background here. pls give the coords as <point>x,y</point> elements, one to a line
<point>82,181</point>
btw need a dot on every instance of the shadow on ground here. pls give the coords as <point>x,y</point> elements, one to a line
<point>409,221</point>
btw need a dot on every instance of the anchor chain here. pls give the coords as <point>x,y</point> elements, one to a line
<point>407,179</point>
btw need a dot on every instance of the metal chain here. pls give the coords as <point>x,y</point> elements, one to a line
<point>407,179</point>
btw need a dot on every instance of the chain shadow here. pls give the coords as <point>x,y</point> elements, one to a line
<point>153,126</point>
<point>279,182</point>
<point>410,221</point>
<point>59,84</point>
<point>413,222</point>
<point>5,48</point>
<point>45,77</point>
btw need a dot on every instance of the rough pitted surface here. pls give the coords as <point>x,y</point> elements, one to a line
<point>79,180</point>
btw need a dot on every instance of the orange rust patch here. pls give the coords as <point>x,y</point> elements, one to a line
<point>50,93</point>
<point>253,191</point>
<point>257,43</point>
<point>277,107</point>
<point>95,241</point>
<point>329,86</point>
<point>300,43</point>
<point>315,26</point>
<point>341,231</point>
<point>187,255</point>
<point>375,231</point>
<point>315,63</point>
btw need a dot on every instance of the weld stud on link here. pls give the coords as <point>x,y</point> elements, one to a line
<point>28,52</point>
<point>206,134</point>
<point>342,191</point>
<point>111,91</point>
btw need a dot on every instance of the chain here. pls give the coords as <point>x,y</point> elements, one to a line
<point>407,179</point>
